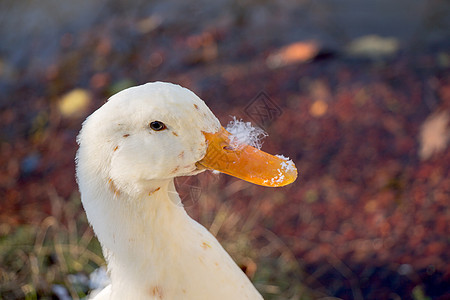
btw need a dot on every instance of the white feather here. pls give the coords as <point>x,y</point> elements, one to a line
<point>125,172</point>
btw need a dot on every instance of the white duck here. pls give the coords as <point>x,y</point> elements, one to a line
<point>131,149</point>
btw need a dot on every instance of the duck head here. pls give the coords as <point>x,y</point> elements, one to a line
<point>159,131</point>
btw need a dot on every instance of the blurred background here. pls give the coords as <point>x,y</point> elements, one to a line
<point>357,93</point>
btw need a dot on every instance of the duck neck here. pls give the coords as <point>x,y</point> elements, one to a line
<point>137,232</point>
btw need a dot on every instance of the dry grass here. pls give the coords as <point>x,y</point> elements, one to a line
<point>60,251</point>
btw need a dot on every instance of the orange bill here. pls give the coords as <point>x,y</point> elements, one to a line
<point>246,162</point>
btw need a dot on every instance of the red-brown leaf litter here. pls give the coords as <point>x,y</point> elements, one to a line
<point>368,217</point>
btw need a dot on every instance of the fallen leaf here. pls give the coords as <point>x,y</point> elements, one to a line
<point>74,103</point>
<point>434,134</point>
<point>293,53</point>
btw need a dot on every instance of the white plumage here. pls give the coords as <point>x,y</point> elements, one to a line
<point>125,172</point>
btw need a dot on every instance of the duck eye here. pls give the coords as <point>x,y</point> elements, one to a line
<point>157,125</point>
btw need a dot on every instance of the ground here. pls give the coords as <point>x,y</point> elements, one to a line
<point>366,120</point>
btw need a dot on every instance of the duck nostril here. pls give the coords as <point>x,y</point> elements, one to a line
<point>228,148</point>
